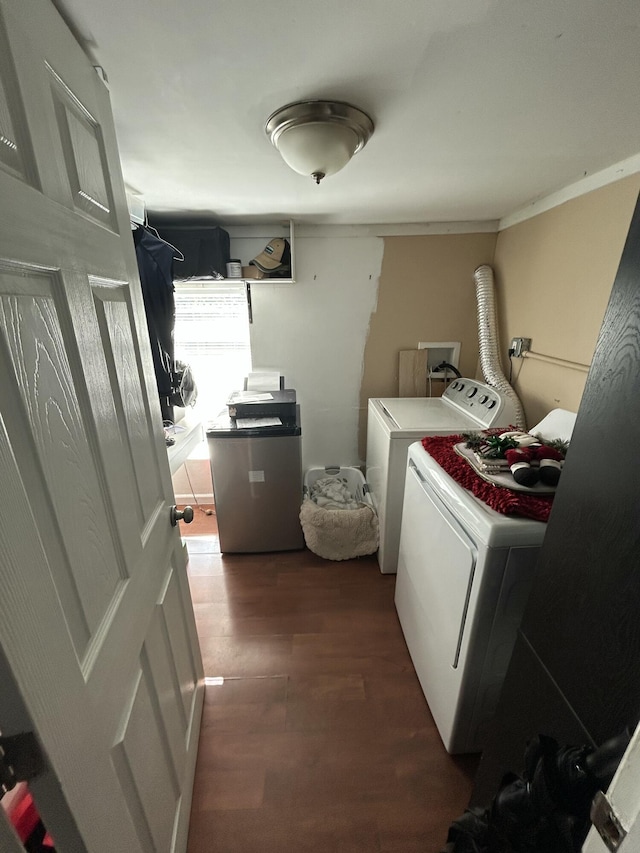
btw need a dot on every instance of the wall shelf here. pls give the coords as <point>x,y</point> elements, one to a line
<point>246,242</point>
<point>188,435</point>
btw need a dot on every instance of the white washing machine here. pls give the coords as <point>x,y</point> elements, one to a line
<point>394,423</point>
<point>464,576</point>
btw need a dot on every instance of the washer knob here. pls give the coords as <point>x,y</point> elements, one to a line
<point>484,398</point>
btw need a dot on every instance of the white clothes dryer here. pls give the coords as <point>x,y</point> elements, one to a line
<point>464,576</point>
<point>393,423</point>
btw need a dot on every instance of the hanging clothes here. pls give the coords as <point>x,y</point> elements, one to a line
<point>155,263</point>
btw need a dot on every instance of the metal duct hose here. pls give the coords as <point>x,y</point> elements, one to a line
<point>488,340</point>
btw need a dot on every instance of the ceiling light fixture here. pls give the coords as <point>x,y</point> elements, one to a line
<point>318,138</point>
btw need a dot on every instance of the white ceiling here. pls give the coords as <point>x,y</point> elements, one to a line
<point>480,106</point>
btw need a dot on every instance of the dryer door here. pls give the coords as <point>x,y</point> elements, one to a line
<point>440,558</point>
<point>436,570</point>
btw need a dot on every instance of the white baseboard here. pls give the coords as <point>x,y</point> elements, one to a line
<point>189,496</point>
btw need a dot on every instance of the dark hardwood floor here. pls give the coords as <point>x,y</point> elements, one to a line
<point>318,737</point>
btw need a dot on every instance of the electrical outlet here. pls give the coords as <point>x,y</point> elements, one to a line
<point>519,346</point>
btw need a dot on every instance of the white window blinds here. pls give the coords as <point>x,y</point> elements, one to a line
<point>212,336</point>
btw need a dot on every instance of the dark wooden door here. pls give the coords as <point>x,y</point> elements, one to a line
<point>575,672</point>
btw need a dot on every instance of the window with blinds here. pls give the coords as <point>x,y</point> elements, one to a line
<point>212,336</point>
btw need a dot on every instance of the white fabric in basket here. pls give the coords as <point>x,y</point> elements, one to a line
<point>333,493</point>
<point>339,534</point>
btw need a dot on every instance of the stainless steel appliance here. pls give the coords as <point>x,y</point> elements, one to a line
<point>257,484</point>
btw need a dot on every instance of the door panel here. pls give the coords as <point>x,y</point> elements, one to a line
<point>96,623</point>
<point>33,360</point>
<point>84,154</point>
<point>113,307</point>
<point>170,674</point>
<point>175,627</point>
<point>142,761</point>
<point>15,152</point>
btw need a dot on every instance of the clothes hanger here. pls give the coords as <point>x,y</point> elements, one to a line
<point>178,254</point>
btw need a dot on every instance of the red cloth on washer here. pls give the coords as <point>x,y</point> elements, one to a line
<point>506,501</point>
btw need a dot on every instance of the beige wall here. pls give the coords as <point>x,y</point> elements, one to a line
<point>553,272</point>
<point>425,293</point>
<point>553,275</point>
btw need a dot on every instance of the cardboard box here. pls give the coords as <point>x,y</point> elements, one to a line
<point>252,272</point>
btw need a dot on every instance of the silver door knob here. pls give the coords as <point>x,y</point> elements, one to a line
<point>177,515</point>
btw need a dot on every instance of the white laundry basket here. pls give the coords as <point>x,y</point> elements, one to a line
<point>339,534</point>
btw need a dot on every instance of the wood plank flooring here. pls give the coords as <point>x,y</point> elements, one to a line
<point>318,737</point>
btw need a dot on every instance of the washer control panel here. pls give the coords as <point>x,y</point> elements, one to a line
<point>489,406</point>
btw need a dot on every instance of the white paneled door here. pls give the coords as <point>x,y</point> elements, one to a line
<point>98,649</point>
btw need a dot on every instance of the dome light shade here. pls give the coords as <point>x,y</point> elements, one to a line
<point>311,149</point>
<point>318,138</point>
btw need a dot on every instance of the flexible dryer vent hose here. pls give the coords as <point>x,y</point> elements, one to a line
<point>488,340</point>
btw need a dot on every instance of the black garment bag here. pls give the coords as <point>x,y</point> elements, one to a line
<point>155,264</point>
